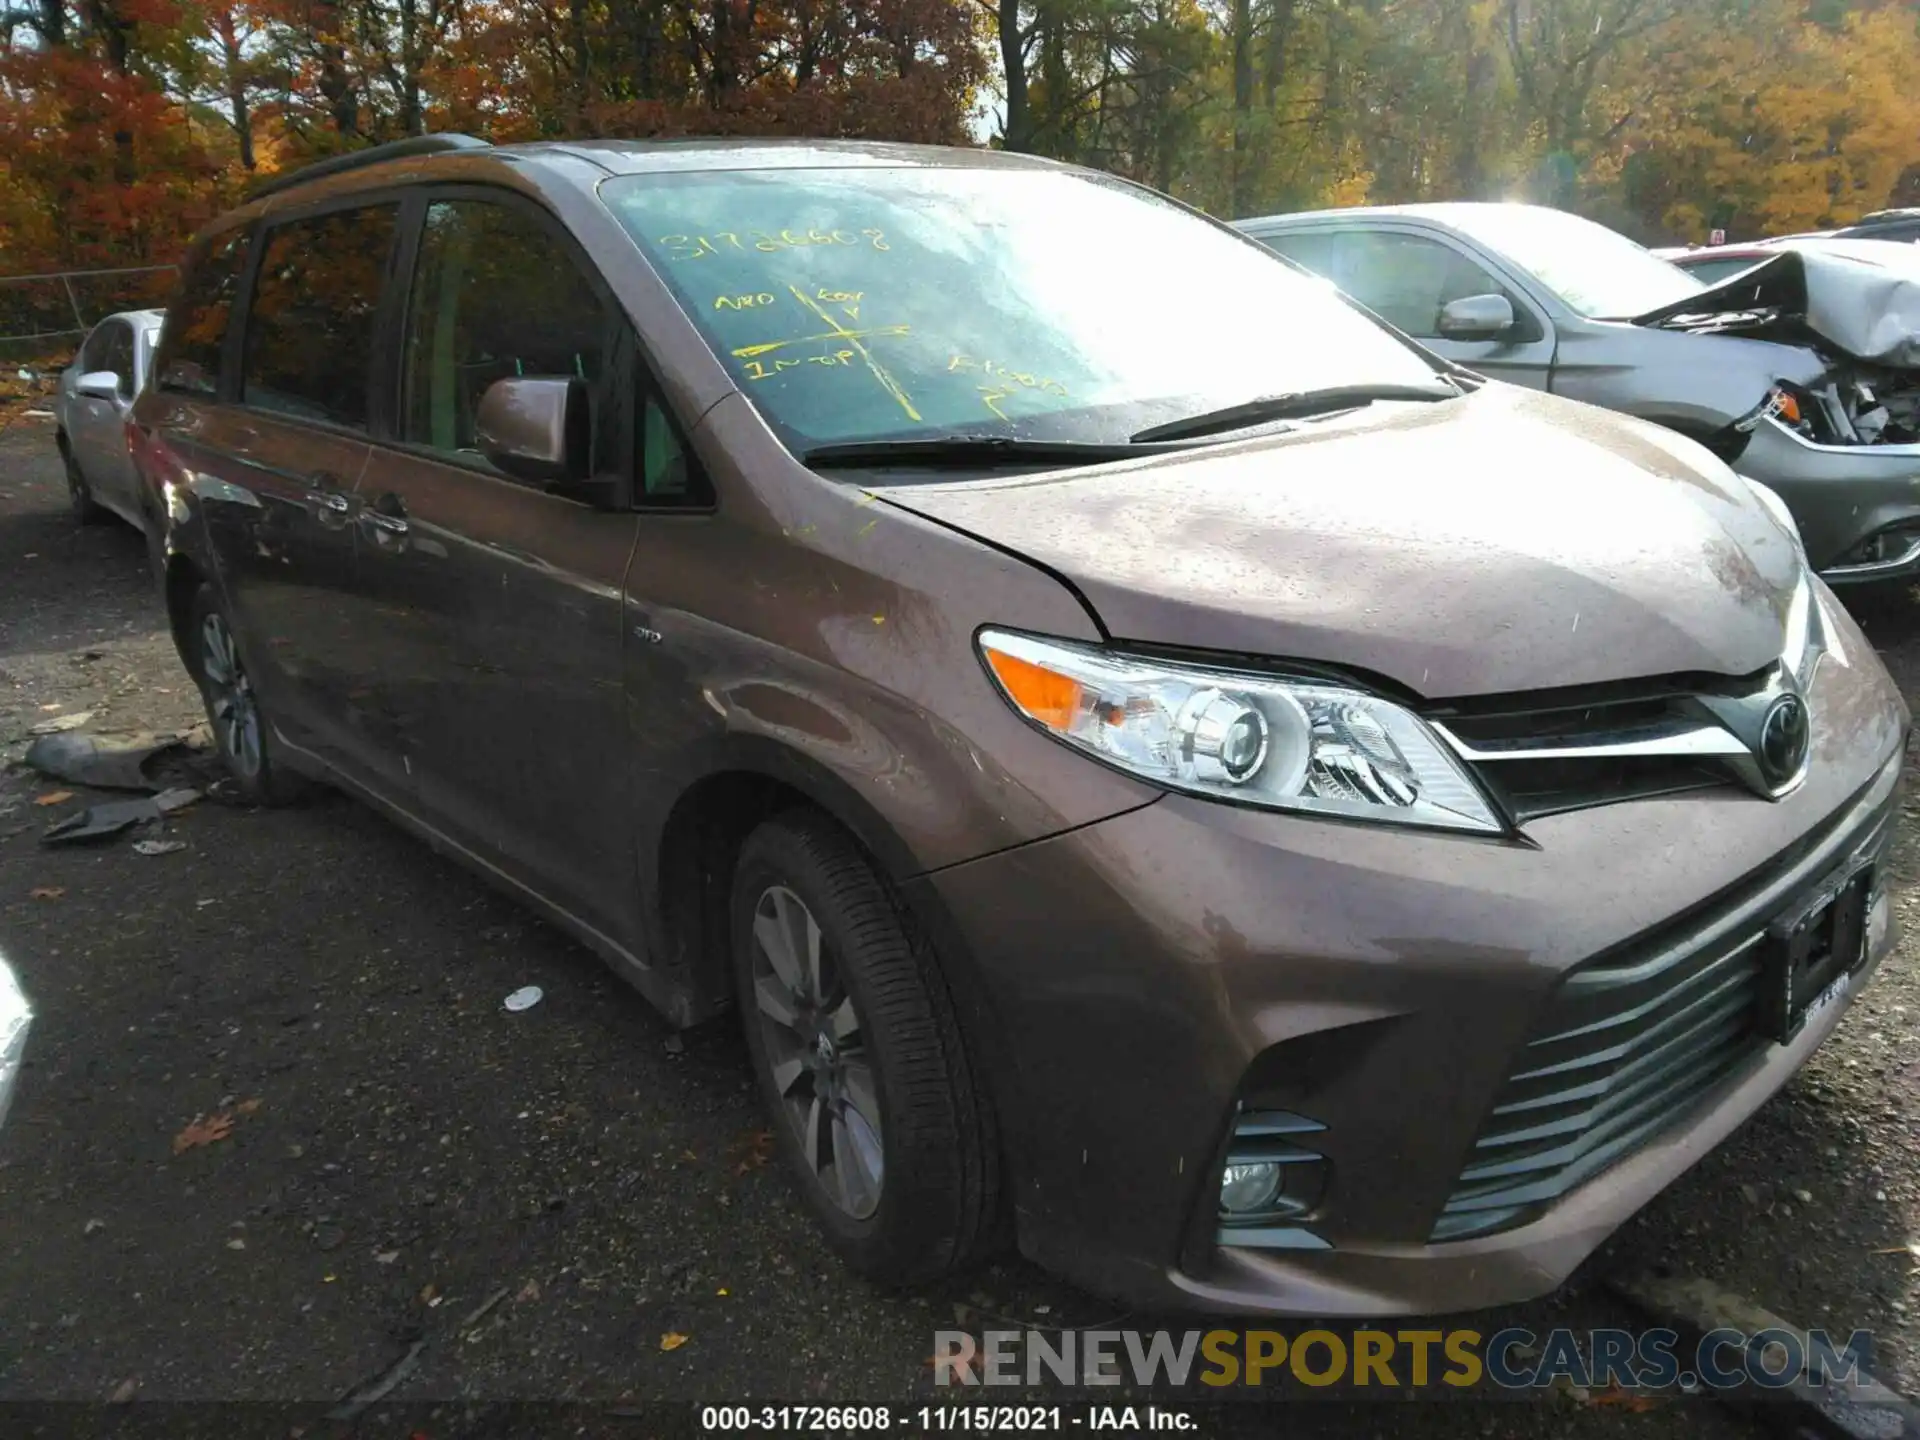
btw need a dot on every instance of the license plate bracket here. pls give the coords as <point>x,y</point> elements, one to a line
<point>1808,948</point>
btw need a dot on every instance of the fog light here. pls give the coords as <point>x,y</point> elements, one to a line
<point>1247,1188</point>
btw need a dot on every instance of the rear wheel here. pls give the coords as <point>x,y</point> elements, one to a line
<point>240,727</point>
<point>859,1059</point>
<point>79,496</point>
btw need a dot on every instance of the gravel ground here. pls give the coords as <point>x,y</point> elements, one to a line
<point>403,1151</point>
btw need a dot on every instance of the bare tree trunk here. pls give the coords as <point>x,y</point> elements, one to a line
<point>1018,127</point>
<point>240,113</point>
<point>1241,174</point>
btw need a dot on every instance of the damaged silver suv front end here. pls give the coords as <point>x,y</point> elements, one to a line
<point>15,1018</point>
<point>1836,432</point>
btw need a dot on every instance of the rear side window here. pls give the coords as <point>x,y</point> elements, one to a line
<point>197,325</point>
<point>310,327</point>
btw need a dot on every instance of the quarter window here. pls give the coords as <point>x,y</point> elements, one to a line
<point>310,328</point>
<point>197,328</point>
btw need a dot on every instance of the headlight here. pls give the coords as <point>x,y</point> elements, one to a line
<point>1285,744</point>
<point>1783,517</point>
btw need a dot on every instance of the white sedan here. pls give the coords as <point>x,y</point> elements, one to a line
<point>90,415</point>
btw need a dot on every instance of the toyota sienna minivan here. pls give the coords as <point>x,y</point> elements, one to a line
<point>1168,772</point>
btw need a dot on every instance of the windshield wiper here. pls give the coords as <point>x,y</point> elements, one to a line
<point>976,450</point>
<point>1289,406</point>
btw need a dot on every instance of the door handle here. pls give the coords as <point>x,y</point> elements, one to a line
<point>388,513</point>
<point>323,489</point>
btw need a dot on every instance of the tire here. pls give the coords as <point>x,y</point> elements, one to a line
<point>931,1204</point>
<point>240,727</point>
<point>79,495</point>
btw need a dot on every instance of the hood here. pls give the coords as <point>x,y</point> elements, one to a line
<point>1842,303</point>
<point>1503,542</point>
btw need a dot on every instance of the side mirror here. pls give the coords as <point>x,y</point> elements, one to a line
<point>99,385</point>
<point>537,430</point>
<point>1476,317</point>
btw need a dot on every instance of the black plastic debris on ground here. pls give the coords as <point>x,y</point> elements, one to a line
<point>103,822</point>
<point>143,761</point>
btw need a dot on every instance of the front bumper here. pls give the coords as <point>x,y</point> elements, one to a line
<point>1844,498</point>
<point>1145,975</point>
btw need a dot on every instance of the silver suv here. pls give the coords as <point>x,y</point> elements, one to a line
<point>1781,371</point>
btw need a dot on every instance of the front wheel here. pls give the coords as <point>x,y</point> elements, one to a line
<point>86,510</point>
<point>240,727</point>
<point>859,1058</point>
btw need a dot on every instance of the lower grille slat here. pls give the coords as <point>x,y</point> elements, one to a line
<point>1632,1044</point>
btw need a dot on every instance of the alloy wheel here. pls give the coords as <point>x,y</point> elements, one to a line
<point>812,1035</point>
<point>236,715</point>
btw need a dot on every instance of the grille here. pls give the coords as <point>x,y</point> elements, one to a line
<point>1548,758</point>
<point>1628,1047</point>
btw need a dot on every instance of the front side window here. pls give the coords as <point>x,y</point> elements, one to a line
<point>855,304</point>
<point>1404,279</point>
<point>310,328</point>
<point>93,354</point>
<point>495,295</point>
<point>196,331</point>
<point>119,356</point>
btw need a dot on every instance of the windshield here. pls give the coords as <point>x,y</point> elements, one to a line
<point>863,304</point>
<point>1597,271</point>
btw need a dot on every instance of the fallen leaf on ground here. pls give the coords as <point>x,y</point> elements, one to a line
<point>247,1107</point>
<point>672,1340</point>
<point>757,1150</point>
<point>202,1130</point>
<point>123,1392</point>
<point>528,1291</point>
<point>47,892</point>
<point>386,1257</point>
<point>1625,1399</point>
<point>54,797</point>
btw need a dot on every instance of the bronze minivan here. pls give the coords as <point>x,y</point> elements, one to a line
<point>1171,774</point>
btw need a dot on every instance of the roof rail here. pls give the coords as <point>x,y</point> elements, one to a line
<point>373,155</point>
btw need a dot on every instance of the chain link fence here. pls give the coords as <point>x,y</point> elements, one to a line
<point>43,319</point>
<point>48,314</point>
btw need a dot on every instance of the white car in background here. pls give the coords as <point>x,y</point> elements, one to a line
<point>90,415</point>
<point>15,1018</point>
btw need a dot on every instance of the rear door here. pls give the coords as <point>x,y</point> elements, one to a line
<point>495,637</point>
<point>288,452</point>
<point>1408,277</point>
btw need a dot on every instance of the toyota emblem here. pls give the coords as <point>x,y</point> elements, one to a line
<point>1784,737</point>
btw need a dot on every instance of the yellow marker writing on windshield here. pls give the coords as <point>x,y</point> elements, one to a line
<point>887,382</point>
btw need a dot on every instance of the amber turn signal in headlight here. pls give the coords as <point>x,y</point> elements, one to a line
<point>1258,739</point>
